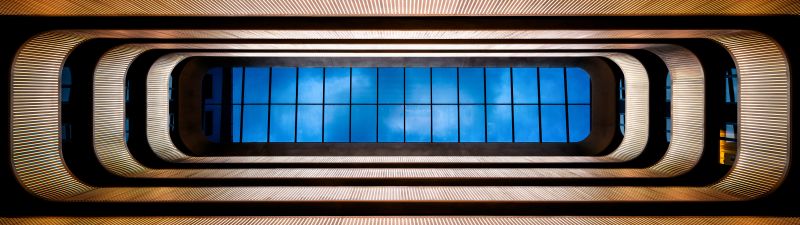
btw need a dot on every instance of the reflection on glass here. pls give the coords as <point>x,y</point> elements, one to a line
<point>212,86</point>
<point>526,123</point>
<point>211,122</point>
<point>472,122</point>
<point>498,85</point>
<point>499,123</point>
<point>309,123</point>
<point>309,86</point>
<point>337,85</point>
<point>237,74</point>
<point>236,123</point>
<point>284,85</point>
<point>471,87</point>
<point>254,123</point>
<point>398,104</point>
<point>418,123</point>
<point>578,86</point>
<point>554,123</point>
<point>365,81</point>
<point>552,85</point>
<point>281,123</point>
<point>364,124</point>
<point>390,85</point>
<point>446,82</point>
<point>256,85</point>
<point>526,86</point>
<point>445,124</point>
<point>337,123</point>
<point>579,122</point>
<point>390,123</point>
<point>418,86</point>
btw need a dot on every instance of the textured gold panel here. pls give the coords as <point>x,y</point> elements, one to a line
<point>409,220</point>
<point>759,169</point>
<point>396,8</point>
<point>764,113</point>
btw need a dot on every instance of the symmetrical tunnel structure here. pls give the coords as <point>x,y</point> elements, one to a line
<point>399,112</point>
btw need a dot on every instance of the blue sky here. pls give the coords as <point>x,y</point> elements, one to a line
<point>393,104</point>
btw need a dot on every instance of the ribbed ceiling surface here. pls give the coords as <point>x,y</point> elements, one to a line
<point>395,7</point>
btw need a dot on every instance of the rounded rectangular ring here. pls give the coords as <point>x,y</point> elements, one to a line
<point>759,169</point>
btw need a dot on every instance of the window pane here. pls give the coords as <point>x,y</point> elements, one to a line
<point>526,86</point>
<point>211,122</point>
<point>236,123</point>
<point>498,85</point>
<point>254,124</point>
<point>65,94</point>
<point>418,86</point>
<point>365,128</point>
<point>669,87</point>
<point>446,83</point>
<point>552,85</point>
<point>337,123</point>
<point>337,85</point>
<point>212,85</point>
<point>281,123</point>
<point>499,123</point>
<point>365,83</point>
<point>472,122</point>
<point>445,125</point>
<point>554,124</point>
<point>471,85</point>
<point>578,86</point>
<point>730,130</point>
<point>236,89</point>
<point>579,122</point>
<point>66,82</point>
<point>390,83</point>
<point>66,76</point>
<point>284,85</point>
<point>526,123</point>
<point>309,123</point>
<point>256,85</point>
<point>735,88</point>
<point>669,129</point>
<point>310,86</point>
<point>390,123</point>
<point>418,123</point>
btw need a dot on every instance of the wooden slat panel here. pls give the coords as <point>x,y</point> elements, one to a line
<point>396,8</point>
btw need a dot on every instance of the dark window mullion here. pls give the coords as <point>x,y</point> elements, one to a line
<point>241,107</point>
<point>566,105</point>
<point>296,99</point>
<point>458,103</point>
<point>350,112</point>
<point>485,110</point>
<point>269,102</point>
<point>377,103</point>
<point>324,80</point>
<point>539,100</point>
<point>430,82</point>
<point>511,80</point>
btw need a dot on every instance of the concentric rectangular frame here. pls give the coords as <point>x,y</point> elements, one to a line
<point>631,147</point>
<point>678,160</point>
<point>759,169</point>
<point>113,66</point>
